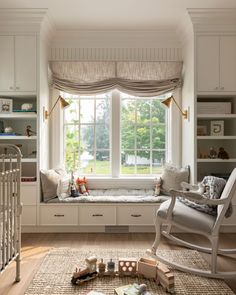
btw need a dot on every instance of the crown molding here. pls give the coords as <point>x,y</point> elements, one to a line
<point>25,20</point>
<point>213,19</point>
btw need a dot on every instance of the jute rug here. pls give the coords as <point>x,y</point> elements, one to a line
<point>54,274</point>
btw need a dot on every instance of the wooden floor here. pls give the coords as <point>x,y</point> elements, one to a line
<point>35,247</point>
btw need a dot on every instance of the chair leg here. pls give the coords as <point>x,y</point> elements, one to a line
<point>215,244</point>
<point>156,243</point>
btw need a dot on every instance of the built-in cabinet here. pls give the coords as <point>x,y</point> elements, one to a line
<point>18,57</point>
<point>18,84</point>
<point>216,63</point>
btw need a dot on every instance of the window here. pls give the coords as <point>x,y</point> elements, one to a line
<point>138,145</point>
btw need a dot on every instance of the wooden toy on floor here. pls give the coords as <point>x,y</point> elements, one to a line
<point>127,266</point>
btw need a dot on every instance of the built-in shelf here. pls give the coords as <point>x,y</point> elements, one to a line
<point>23,160</point>
<point>18,137</point>
<point>16,115</point>
<point>216,116</point>
<point>232,160</point>
<point>217,137</point>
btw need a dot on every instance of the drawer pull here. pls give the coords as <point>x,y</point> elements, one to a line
<point>59,215</point>
<point>97,215</point>
<point>136,215</point>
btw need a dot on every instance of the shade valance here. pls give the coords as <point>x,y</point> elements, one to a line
<point>136,78</point>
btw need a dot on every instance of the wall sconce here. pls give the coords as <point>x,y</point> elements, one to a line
<point>168,101</point>
<point>63,103</point>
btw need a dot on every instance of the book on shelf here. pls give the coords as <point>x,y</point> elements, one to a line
<point>24,111</point>
<point>9,134</point>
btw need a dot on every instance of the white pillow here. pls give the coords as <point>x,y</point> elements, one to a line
<point>49,183</point>
<point>172,178</point>
<point>63,188</point>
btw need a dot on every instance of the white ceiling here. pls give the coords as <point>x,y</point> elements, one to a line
<point>117,14</point>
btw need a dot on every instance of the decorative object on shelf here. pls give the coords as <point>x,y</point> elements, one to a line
<point>63,103</point>
<point>81,186</point>
<point>27,107</point>
<point>212,153</point>
<point>217,128</point>
<point>28,178</point>
<point>33,154</point>
<point>1,127</point>
<point>214,107</point>
<point>8,129</point>
<point>168,101</point>
<point>5,105</point>
<point>201,130</point>
<point>29,131</point>
<point>222,154</point>
<point>73,190</point>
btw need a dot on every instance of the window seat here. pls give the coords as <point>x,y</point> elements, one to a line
<point>115,196</point>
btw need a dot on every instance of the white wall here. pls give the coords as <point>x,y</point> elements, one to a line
<point>188,102</point>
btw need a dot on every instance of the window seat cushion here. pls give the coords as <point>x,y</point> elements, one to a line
<point>115,196</point>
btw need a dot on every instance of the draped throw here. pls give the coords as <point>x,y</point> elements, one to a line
<point>135,78</point>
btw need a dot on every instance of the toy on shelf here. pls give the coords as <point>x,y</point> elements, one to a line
<point>81,186</point>
<point>223,154</point>
<point>212,153</point>
<point>29,131</point>
<point>143,268</point>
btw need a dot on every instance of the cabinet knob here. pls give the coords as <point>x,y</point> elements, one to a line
<point>136,215</point>
<point>222,88</point>
<point>216,88</point>
<point>11,88</point>
<point>17,87</point>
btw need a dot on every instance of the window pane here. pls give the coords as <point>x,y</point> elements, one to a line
<point>102,137</point>
<point>127,111</point>
<point>103,111</point>
<point>128,162</point>
<point>72,147</point>
<point>159,137</point>
<point>158,112</point>
<point>143,111</point>
<point>143,137</point>
<point>87,162</point>
<point>103,162</point>
<point>87,110</point>
<point>87,137</point>
<point>158,160</point>
<point>72,111</point>
<point>143,162</point>
<point>128,136</point>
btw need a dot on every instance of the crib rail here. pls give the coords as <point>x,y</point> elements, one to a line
<point>10,206</point>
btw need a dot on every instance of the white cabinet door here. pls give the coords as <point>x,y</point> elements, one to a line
<point>208,52</point>
<point>6,63</point>
<point>25,63</point>
<point>228,63</point>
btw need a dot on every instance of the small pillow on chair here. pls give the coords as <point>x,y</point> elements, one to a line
<point>49,183</point>
<point>172,178</point>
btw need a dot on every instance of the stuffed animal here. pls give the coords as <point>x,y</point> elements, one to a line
<point>81,186</point>
<point>158,183</point>
<point>223,154</point>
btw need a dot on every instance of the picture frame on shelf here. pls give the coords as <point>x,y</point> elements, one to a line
<point>201,130</point>
<point>217,128</point>
<point>5,106</point>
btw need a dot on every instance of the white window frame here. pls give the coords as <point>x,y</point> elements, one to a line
<point>174,141</point>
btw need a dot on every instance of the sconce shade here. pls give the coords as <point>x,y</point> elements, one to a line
<point>63,104</point>
<point>168,101</point>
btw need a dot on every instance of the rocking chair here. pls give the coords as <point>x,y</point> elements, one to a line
<point>175,213</point>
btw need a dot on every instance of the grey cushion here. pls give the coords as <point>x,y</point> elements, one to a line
<point>187,216</point>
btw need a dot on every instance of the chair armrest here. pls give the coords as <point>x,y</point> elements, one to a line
<point>195,197</point>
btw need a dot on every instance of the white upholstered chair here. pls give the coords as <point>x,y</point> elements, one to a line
<point>175,213</point>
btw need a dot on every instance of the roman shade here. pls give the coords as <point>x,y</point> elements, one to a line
<point>136,78</point>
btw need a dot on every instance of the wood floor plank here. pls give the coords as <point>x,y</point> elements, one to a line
<point>35,247</point>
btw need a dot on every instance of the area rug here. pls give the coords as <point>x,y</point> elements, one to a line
<point>54,274</point>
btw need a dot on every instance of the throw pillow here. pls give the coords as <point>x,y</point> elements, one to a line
<point>63,188</point>
<point>213,189</point>
<point>172,178</point>
<point>49,183</point>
